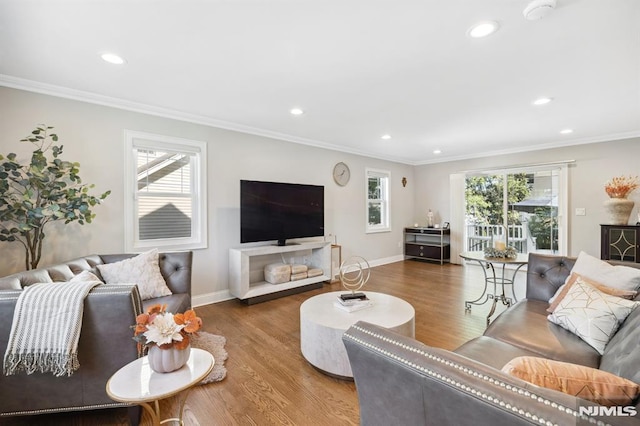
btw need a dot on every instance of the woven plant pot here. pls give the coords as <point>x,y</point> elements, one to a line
<point>167,360</point>
<point>619,210</point>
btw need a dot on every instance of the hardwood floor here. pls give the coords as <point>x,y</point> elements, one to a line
<point>270,383</point>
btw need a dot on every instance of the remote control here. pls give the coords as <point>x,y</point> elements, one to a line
<point>350,296</point>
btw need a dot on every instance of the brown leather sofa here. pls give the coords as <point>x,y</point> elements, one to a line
<point>402,381</point>
<point>105,344</point>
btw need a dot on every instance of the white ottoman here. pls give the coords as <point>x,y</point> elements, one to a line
<point>322,326</point>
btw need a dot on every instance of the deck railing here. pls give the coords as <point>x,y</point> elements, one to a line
<point>479,236</point>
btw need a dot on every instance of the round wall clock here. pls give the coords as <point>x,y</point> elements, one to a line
<point>341,174</point>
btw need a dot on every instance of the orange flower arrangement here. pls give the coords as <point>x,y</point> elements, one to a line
<point>164,329</point>
<point>621,186</point>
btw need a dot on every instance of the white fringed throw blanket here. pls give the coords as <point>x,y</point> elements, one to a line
<point>46,328</point>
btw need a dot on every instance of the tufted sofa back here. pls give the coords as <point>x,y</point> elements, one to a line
<point>175,268</point>
<point>545,274</point>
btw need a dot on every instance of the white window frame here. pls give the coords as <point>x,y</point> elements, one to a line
<point>135,140</point>
<point>458,198</point>
<point>385,202</point>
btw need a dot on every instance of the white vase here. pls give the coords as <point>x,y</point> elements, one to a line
<point>619,210</point>
<point>167,360</point>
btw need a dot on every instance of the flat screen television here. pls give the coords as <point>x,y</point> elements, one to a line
<point>275,211</point>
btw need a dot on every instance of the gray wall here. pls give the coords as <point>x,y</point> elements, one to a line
<point>594,165</point>
<point>93,135</point>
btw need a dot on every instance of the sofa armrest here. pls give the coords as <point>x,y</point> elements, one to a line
<point>106,344</point>
<point>402,381</point>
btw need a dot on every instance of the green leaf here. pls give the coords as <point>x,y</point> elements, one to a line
<point>44,189</point>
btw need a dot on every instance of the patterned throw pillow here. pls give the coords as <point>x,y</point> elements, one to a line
<point>564,289</point>
<point>591,314</point>
<point>142,270</point>
<point>587,383</point>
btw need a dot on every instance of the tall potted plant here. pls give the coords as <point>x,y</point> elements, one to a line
<point>45,190</point>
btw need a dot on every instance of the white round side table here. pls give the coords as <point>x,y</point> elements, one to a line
<point>322,326</point>
<point>137,383</point>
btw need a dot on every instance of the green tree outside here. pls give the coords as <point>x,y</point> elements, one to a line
<point>484,198</point>
<point>375,211</point>
<point>484,206</point>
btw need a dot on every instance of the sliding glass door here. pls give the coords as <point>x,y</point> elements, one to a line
<point>526,211</point>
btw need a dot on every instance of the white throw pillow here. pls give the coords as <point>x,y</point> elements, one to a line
<point>591,314</point>
<point>622,277</point>
<point>143,270</point>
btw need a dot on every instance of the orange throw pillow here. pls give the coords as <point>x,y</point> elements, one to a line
<point>587,383</point>
<point>627,294</point>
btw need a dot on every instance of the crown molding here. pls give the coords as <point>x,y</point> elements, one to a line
<point>550,145</point>
<point>94,98</point>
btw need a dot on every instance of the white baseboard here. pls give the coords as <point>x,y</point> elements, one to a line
<point>208,298</point>
<point>386,260</point>
<point>222,295</point>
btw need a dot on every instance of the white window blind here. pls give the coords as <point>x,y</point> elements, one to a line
<point>164,194</point>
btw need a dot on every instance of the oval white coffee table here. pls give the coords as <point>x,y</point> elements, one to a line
<point>322,326</point>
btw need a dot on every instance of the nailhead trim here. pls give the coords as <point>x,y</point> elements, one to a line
<point>67,409</point>
<point>471,372</point>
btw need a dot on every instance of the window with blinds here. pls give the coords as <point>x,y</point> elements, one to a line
<point>166,186</point>
<point>164,194</point>
<point>377,200</point>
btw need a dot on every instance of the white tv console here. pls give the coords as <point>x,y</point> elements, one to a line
<point>246,269</point>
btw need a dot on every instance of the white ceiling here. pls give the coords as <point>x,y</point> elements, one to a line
<point>358,68</point>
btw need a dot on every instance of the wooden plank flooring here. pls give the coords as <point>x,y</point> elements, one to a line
<point>270,383</point>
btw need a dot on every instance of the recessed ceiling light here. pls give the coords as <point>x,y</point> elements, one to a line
<point>437,151</point>
<point>112,58</point>
<point>542,101</point>
<point>296,111</point>
<point>566,131</point>
<point>483,29</point>
<point>385,137</point>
